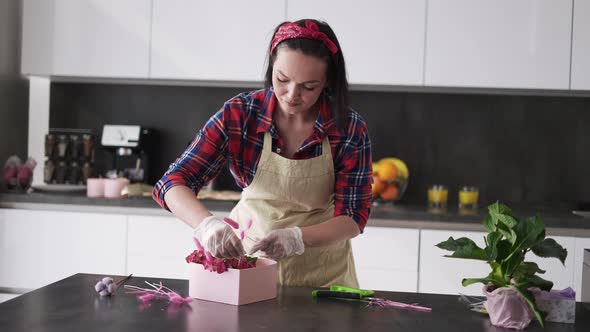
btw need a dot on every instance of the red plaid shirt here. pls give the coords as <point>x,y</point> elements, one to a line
<point>237,132</point>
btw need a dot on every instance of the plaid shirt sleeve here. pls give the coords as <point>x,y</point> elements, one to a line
<point>200,162</point>
<point>353,168</point>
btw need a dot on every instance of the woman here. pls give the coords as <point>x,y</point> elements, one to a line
<point>301,155</point>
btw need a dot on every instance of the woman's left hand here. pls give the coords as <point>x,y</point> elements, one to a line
<point>281,243</point>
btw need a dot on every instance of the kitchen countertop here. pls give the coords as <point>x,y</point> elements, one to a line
<point>82,203</point>
<point>72,304</point>
<point>559,219</point>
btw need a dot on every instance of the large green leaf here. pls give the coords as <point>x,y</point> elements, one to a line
<point>550,248</point>
<point>530,300</point>
<point>489,224</point>
<point>463,248</point>
<point>492,240</point>
<point>508,233</point>
<point>500,213</point>
<point>536,281</point>
<point>511,263</point>
<point>499,208</point>
<point>529,232</point>
<point>495,277</point>
<point>527,269</point>
<point>469,281</point>
<point>499,277</point>
<point>504,249</point>
<point>509,221</point>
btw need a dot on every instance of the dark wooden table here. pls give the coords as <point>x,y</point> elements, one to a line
<point>72,305</point>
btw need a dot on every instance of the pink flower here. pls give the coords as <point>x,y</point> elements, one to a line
<point>145,295</point>
<point>219,265</point>
<point>196,256</point>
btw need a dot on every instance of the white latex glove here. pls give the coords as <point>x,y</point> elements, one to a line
<point>218,238</point>
<point>281,243</point>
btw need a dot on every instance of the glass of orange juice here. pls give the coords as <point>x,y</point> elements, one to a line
<point>468,197</point>
<point>438,196</point>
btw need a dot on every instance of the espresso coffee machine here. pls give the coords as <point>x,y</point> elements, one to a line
<point>129,145</point>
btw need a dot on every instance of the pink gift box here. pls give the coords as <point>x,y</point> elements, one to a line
<point>234,286</point>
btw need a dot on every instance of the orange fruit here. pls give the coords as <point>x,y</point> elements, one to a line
<point>390,192</point>
<point>402,169</point>
<point>388,171</point>
<point>377,186</point>
<point>375,169</point>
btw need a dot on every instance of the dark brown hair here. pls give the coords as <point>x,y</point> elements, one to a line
<point>337,90</point>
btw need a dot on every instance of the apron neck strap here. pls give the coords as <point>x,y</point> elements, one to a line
<point>267,144</point>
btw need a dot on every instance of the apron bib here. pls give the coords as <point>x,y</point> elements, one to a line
<point>287,193</point>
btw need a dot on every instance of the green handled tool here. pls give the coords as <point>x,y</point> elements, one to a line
<point>340,295</point>
<point>362,292</point>
<point>343,292</point>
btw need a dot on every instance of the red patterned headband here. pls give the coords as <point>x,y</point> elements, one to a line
<point>309,31</point>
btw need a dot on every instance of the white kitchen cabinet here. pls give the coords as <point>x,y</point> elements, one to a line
<point>382,40</point>
<point>499,44</point>
<point>157,246</point>
<point>40,247</point>
<point>37,37</point>
<point>580,245</point>
<point>88,38</point>
<point>387,258</point>
<point>212,40</point>
<point>443,275</point>
<point>580,79</point>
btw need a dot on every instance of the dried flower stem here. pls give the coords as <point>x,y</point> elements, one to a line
<point>159,290</point>
<point>118,283</point>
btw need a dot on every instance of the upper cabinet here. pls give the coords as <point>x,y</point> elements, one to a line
<point>581,46</point>
<point>37,37</point>
<point>499,44</point>
<point>212,40</point>
<point>90,38</point>
<point>382,40</point>
<point>529,44</point>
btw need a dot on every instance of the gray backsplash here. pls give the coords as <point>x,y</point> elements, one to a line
<point>13,87</point>
<point>529,149</point>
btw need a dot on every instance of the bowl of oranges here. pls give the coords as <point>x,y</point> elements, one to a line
<point>390,179</point>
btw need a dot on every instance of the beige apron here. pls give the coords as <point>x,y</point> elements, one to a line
<point>286,193</point>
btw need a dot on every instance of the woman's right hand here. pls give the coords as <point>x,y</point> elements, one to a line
<point>218,238</point>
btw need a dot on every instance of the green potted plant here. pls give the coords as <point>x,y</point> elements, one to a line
<point>508,241</point>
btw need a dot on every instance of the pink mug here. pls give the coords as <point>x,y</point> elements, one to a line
<point>113,187</point>
<point>95,187</point>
